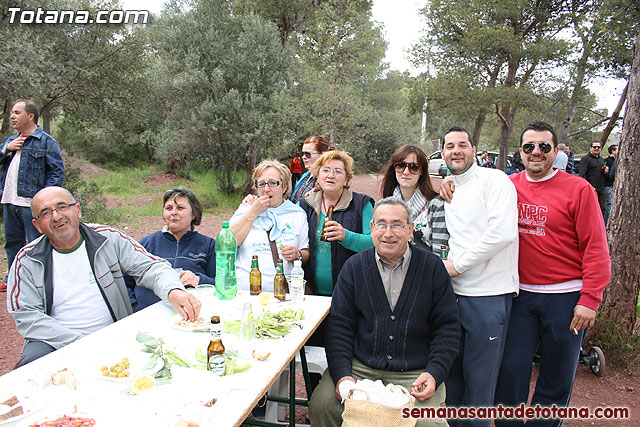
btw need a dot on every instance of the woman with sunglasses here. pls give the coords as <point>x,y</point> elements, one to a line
<point>270,217</point>
<point>406,176</point>
<point>312,149</point>
<point>350,229</point>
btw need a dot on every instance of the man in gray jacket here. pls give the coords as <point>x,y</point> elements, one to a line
<point>68,283</point>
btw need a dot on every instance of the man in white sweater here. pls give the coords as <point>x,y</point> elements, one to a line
<point>482,220</point>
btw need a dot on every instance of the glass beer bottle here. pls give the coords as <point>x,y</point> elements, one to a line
<point>328,218</point>
<point>255,277</point>
<point>215,351</point>
<point>279,290</point>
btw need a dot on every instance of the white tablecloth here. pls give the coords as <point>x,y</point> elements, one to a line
<point>103,400</point>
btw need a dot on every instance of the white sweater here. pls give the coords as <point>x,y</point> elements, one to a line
<point>482,219</point>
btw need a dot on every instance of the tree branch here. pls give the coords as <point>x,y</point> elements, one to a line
<point>572,134</point>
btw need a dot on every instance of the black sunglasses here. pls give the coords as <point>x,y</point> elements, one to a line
<point>528,148</point>
<point>309,153</point>
<point>401,166</point>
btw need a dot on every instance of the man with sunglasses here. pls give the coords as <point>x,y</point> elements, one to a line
<point>593,168</point>
<point>69,282</point>
<point>563,267</point>
<point>393,318</point>
<point>483,265</point>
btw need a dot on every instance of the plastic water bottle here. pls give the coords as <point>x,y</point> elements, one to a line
<point>226,284</point>
<point>296,287</point>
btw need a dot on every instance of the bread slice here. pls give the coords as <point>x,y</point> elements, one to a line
<point>7,398</point>
<point>7,412</point>
<point>64,377</point>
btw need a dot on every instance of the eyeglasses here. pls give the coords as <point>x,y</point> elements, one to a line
<point>596,147</point>
<point>271,184</point>
<point>327,170</point>
<point>382,226</point>
<point>528,148</point>
<point>414,168</point>
<point>61,209</point>
<point>309,153</point>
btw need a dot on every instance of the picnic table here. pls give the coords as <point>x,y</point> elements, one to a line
<point>108,401</point>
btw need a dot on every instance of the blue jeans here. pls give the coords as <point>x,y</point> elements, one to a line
<point>18,230</point>
<point>473,376</point>
<point>539,320</point>
<point>608,190</point>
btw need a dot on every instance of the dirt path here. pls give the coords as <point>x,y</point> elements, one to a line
<point>615,389</point>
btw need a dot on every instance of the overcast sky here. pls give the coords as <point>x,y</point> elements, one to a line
<point>402,26</point>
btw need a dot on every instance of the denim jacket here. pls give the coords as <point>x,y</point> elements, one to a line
<point>40,163</point>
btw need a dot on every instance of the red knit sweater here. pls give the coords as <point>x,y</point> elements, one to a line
<point>562,235</point>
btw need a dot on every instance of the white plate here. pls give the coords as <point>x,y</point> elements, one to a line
<point>30,401</point>
<point>174,324</point>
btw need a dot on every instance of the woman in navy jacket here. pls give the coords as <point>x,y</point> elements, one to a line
<point>180,244</point>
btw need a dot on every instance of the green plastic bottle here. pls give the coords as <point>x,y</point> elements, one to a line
<point>226,284</point>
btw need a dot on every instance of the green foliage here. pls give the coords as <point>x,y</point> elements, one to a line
<point>90,198</point>
<point>619,348</point>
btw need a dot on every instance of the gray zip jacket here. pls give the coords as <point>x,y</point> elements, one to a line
<point>111,253</point>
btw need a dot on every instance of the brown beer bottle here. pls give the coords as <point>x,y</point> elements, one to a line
<point>215,351</point>
<point>279,282</point>
<point>328,218</point>
<point>255,277</point>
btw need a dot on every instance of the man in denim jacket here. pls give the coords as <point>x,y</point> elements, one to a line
<point>30,160</point>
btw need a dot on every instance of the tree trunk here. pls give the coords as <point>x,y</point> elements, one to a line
<point>227,164</point>
<point>614,117</point>
<point>621,296</point>
<point>6,113</point>
<point>477,129</point>
<point>45,114</point>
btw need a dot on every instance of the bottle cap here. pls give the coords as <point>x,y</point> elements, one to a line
<point>297,263</point>
<point>225,224</point>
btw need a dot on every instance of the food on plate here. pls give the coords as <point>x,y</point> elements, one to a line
<point>119,370</point>
<point>142,382</point>
<point>260,355</point>
<point>10,406</point>
<point>270,325</point>
<point>64,377</point>
<point>66,421</point>
<point>184,323</point>
<point>264,298</point>
<point>210,403</point>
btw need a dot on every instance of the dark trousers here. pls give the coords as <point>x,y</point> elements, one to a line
<point>473,376</point>
<point>602,201</point>
<point>539,320</point>
<point>18,230</point>
<point>33,350</point>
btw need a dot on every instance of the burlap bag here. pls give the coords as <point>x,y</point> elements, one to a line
<point>364,413</point>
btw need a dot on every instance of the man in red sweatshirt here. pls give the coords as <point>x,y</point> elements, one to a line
<point>563,266</point>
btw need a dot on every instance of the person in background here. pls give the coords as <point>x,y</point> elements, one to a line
<point>295,166</point>
<point>313,147</point>
<point>192,253</point>
<point>571,161</point>
<point>558,214</point>
<point>490,163</point>
<point>608,181</point>
<point>406,177</point>
<point>350,229</point>
<point>562,160</point>
<point>31,160</point>
<point>69,282</point>
<point>482,158</point>
<point>269,217</point>
<point>593,169</point>
<point>516,163</point>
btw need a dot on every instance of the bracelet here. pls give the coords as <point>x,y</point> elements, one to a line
<point>247,218</point>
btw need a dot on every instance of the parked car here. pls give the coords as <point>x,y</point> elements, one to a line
<point>437,165</point>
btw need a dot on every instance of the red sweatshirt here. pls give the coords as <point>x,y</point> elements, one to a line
<point>562,235</point>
